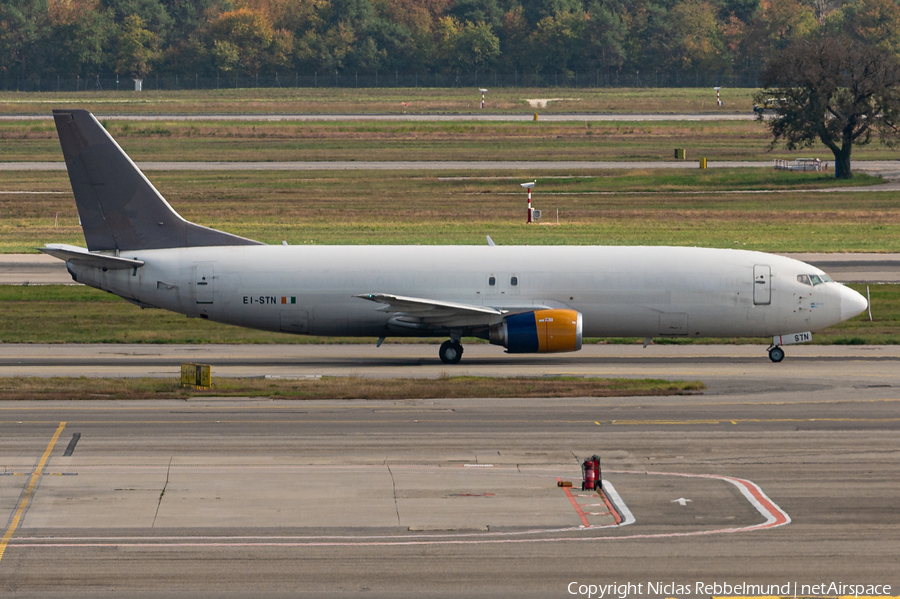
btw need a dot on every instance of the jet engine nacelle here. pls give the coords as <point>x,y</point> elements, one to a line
<point>538,332</point>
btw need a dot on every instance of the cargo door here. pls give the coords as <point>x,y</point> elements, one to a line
<point>673,323</point>
<point>204,285</point>
<point>762,285</point>
<point>295,321</point>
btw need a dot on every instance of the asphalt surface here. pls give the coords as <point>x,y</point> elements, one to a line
<point>726,369</point>
<point>451,498</point>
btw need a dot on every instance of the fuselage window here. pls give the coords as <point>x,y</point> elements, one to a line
<point>804,279</point>
<point>492,281</point>
<point>816,280</point>
<point>514,281</point>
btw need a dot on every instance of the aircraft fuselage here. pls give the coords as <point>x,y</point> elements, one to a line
<point>620,291</point>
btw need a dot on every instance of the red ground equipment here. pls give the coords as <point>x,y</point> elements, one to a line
<point>599,474</point>
<point>589,475</point>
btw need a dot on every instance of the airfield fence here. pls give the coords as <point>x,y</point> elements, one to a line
<point>336,79</point>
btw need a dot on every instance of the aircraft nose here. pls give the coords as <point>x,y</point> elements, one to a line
<point>852,303</point>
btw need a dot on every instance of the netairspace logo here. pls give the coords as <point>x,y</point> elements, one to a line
<point>617,590</point>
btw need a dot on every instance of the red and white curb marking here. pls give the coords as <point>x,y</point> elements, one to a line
<point>774,515</point>
<point>618,504</point>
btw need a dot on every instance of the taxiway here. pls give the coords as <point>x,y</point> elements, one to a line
<point>450,498</point>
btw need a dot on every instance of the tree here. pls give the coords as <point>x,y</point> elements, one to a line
<point>477,11</point>
<point>19,31</point>
<point>560,41</point>
<point>876,22</point>
<point>153,13</point>
<point>477,46</point>
<point>605,33</point>
<point>699,42</point>
<point>76,33</point>
<point>241,38</point>
<point>515,40</point>
<point>446,34</point>
<point>834,90</point>
<point>648,44</point>
<point>137,48</point>
<point>775,25</point>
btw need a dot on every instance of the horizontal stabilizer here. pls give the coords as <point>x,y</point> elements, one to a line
<point>82,257</point>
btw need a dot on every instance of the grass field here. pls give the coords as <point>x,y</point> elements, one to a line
<point>712,208</point>
<point>433,141</point>
<point>653,207</point>
<point>77,314</point>
<point>67,388</point>
<point>382,100</point>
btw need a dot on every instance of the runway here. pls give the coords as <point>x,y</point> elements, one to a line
<point>450,498</point>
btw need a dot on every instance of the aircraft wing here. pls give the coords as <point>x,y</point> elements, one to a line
<point>417,312</point>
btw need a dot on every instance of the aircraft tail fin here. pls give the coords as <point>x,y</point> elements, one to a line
<point>119,208</point>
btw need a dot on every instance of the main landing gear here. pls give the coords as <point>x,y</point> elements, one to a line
<point>776,354</point>
<point>451,351</point>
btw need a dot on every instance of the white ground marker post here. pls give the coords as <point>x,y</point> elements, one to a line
<point>483,91</point>
<point>528,186</point>
<point>718,96</point>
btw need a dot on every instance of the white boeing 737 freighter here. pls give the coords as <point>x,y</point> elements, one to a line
<point>531,299</point>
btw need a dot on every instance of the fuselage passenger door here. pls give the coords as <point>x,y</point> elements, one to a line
<point>204,283</point>
<point>762,284</point>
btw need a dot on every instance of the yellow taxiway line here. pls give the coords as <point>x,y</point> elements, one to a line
<point>29,490</point>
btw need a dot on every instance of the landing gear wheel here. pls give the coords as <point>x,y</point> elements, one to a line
<point>451,352</point>
<point>776,354</point>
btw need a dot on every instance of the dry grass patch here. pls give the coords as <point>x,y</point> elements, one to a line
<point>61,388</point>
<point>415,100</point>
<point>648,207</point>
<point>435,140</point>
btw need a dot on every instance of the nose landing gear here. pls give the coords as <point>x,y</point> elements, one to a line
<point>776,354</point>
<point>451,351</point>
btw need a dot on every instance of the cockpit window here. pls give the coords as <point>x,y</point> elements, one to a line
<point>814,279</point>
